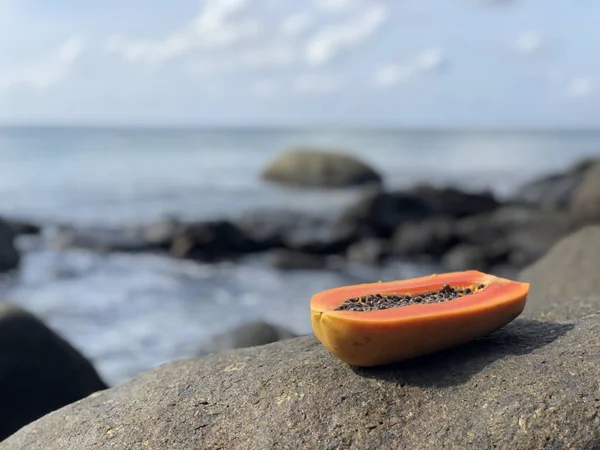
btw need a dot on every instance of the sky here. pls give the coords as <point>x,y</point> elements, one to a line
<point>416,63</point>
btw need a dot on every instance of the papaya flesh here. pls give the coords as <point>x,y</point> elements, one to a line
<point>372,337</point>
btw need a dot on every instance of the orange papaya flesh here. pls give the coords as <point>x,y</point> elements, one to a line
<point>373,336</point>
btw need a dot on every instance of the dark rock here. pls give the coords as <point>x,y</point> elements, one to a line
<point>452,202</point>
<point>23,227</point>
<point>323,169</point>
<point>247,335</point>
<point>378,214</point>
<point>292,260</point>
<point>585,201</point>
<point>432,237</point>
<point>269,227</point>
<point>211,241</point>
<point>160,234</point>
<point>369,251</point>
<point>565,283</point>
<point>475,257</point>
<point>99,239</point>
<point>525,234</point>
<point>532,384</point>
<point>9,255</point>
<point>39,371</point>
<point>555,190</point>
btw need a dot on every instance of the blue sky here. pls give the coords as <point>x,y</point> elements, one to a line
<point>465,63</point>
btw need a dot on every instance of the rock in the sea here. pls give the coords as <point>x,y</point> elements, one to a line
<point>323,169</point>
<point>285,259</point>
<point>585,202</point>
<point>250,334</point>
<point>475,257</point>
<point>565,283</point>
<point>101,239</point>
<point>211,241</point>
<point>24,227</point>
<point>39,371</point>
<point>377,213</point>
<point>432,237</point>
<point>555,190</point>
<point>532,384</point>
<point>452,202</point>
<point>9,255</point>
<point>369,251</point>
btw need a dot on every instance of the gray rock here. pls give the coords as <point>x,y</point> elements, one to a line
<point>101,239</point>
<point>39,371</point>
<point>283,259</point>
<point>432,237</point>
<point>319,168</point>
<point>211,241</point>
<point>378,214</point>
<point>369,251</point>
<point>585,201</point>
<point>475,257</point>
<point>565,283</point>
<point>532,384</point>
<point>554,191</point>
<point>9,255</point>
<point>452,202</point>
<point>250,334</point>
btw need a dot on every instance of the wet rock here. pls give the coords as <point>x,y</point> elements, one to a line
<point>475,257</point>
<point>369,251</point>
<point>532,384</point>
<point>432,237</point>
<point>24,227</point>
<point>452,202</point>
<point>585,201</point>
<point>269,227</point>
<point>99,239</point>
<point>319,168</point>
<point>39,371</point>
<point>211,241</point>
<point>378,214</point>
<point>319,238</point>
<point>250,334</point>
<point>554,190</point>
<point>293,260</point>
<point>9,255</point>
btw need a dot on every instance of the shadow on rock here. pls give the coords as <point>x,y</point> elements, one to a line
<point>457,365</point>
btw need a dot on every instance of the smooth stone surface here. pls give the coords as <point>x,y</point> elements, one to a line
<point>585,202</point>
<point>39,371</point>
<point>320,168</point>
<point>530,385</point>
<point>10,257</point>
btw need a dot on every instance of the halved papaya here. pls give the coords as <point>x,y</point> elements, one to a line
<point>380,323</point>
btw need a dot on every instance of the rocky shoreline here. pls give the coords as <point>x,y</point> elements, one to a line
<point>545,234</point>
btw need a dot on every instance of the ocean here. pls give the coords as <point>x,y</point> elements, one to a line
<point>129,312</point>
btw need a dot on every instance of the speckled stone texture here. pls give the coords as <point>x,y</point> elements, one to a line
<point>534,384</point>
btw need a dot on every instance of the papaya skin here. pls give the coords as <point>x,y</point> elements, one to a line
<point>380,337</point>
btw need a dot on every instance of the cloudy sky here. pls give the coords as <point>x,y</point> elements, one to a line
<point>482,63</point>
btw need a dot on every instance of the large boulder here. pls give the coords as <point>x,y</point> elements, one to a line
<point>323,169</point>
<point>554,191</point>
<point>585,202</point>
<point>533,384</point>
<point>565,283</point>
<point>9,255</point>
<point>453,202</point>
<point>39,371</point>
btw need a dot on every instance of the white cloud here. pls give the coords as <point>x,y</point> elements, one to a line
<point>580,87</point>
<point>529,42</point>
<point>216,25</point>
<point>296,24</point>
<point>429,60</point>
<point>317,83</point>
<point>46,72</point>
<point>335,5</point>
<point>326,44</point>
